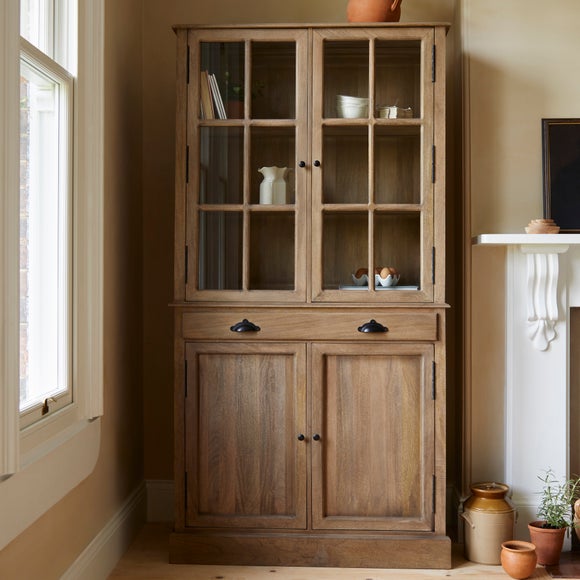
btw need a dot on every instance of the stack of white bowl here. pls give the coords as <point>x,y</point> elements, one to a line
<point>352,107</point>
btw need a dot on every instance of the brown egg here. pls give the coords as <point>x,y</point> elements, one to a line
<point>378,269</point>
<point>384,272</point>
<point>360,272</point>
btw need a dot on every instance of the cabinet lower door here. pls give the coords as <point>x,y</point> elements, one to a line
<point>245,462</point>
<point>373,459</point>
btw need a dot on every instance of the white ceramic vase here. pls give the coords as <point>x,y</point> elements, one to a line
<point>273,186</point>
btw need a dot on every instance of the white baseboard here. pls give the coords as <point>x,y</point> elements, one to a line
<point>101,556</point>
<point>160,500</point>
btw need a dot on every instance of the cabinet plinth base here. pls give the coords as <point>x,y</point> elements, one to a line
<point>338,551</point>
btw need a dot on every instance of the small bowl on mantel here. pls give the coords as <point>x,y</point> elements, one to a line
<point>542,226</point>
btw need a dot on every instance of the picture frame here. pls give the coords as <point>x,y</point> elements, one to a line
<point>561,172</point>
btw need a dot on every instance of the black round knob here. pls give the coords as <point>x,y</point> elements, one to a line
<point>301,437</point>
<point>302,164</point>
<point>316,437</point>
<point>316,163</point>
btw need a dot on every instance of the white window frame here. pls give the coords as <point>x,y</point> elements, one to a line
<point>41,464</point>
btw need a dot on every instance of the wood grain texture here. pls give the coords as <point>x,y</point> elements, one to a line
<point>147,560</point>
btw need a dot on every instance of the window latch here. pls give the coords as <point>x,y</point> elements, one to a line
<point>45,405</point>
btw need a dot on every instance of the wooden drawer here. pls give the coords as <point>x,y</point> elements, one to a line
<point>302,324</point>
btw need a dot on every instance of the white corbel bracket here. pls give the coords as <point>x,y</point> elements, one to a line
<point>542,294</point>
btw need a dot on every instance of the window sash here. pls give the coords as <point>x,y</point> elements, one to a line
<point>45,239</point>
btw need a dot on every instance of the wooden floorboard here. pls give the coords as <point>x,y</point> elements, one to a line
<point>148,559</point>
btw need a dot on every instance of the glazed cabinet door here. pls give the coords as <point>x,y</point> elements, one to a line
<point>373,454</point>
<point>244,414</point>
<point>245,196</point>
<point>374,183</point>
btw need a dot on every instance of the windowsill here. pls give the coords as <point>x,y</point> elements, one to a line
<point>60,469</point>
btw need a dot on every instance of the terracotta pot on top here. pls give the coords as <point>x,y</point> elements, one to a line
<point>518,558</point>
<point>548,543</point>
<point>373,10</point>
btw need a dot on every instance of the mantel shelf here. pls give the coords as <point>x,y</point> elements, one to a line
<point>542,280</point>
<point>526,240</point>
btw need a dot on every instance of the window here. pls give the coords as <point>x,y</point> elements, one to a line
<point>51,231</point>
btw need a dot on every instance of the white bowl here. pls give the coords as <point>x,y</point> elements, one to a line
<point>352,100</point>
<point>390,280</point>
<point>362,281</point>
<point>352,111</point>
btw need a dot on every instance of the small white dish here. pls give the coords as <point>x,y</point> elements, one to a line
<point>363,280</point>
<point>390,280</point>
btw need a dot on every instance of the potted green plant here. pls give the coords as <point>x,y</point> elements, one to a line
<point>555,516</point>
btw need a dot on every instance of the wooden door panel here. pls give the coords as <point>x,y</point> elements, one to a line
<point>245,409</point>
<point>374,462</point>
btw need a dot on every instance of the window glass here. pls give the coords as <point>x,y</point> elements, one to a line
<point>43,239</point>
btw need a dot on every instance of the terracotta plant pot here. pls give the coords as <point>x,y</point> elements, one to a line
<point>373,10</point>
<point>518,558</point>
<point>548,543</point>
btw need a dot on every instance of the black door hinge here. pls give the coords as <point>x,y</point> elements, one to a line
<point>433,382</point>
<point>434,494</point>
<point>433,265</point>
<point>433,164</point>
<point>433,63</point>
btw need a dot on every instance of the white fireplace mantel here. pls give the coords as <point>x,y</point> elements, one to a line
<point>542,252</point>
<point>542,284</point>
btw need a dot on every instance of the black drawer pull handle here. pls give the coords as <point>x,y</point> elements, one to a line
<point>245,326</point>
<point>316,437</point>
<point>302,164</point>
<point>372,326</point>
<point>316,163</point>
<point>301,437</point>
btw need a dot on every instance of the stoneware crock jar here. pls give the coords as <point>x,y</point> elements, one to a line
<point>489,521</point>
<point>373,10</point>
<point>518,558</point>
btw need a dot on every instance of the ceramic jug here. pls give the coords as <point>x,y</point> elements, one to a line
<point>273,186</point>
<point>373,10</point>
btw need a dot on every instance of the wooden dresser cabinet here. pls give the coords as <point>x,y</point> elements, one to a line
<point>309,400</point>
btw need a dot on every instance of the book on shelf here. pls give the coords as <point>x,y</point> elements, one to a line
<point>217,97</point>
<point>212,104</point>
<point>207,110</point>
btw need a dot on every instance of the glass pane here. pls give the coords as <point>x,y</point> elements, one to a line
<point>346,74</point>
<point>220,254</point>
<point>398,78</point>
<point>272,251</point>
<point>397,165</point>
<point>345,170</point>
<point>223,62</point>
<point>221,165</point>
<point>398,245</point>
<point>36,24</point>
<point>273,80</point>
<point>44,335</point>
<point>273,151</point>
<point>345,247</point>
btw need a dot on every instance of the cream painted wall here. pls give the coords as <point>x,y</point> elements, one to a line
<point>48,548</point>
<point>158,151</point>
<point>520,59</point>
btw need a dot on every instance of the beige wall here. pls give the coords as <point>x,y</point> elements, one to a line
<point>519,63</point>
<point>520,58</point>
<point>50,546</point>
